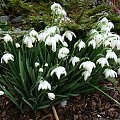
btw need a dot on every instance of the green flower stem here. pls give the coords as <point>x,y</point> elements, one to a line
<point>104,93</point>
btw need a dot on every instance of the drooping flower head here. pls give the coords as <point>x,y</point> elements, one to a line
<point>51,96</point>
<point>6,57</point>
<point>110,73</point>
<point>7,38</point>
<point>74,60</point>
<point>59,71</point>
<point>63,52</point>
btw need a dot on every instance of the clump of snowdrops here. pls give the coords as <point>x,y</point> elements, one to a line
<point>44,68</point>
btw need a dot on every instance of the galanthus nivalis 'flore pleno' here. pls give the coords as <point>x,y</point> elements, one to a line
<point>86,74</point>
<point>92,43</point>
<point>80,44</point>
<point>63,52</point>
<point>46,65</point>
<point>103,61</point>
<point>74,60</point>
<point>88,66</point>
<point>40,69</point>
<point>28,41</point>
<point>7,38</point>
<point>6,57</point>
<point>111,54</point>
<point>59,71</point>
<point>33,33</point>
<point>69,35</point>
<point>51,96</point>
<point>110,73</point>
<point>17,45</point>
<point>44,85</point>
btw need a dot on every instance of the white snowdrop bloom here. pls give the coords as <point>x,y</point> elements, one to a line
<point>88,65</point>
<point>1,93</point>
<point>103,61</point>
<point>28,41</point>
<point>51,96</point>
<point>119,71</point>
<point>69,35</point>
<point>42,36</point>
<point>40,69</point>
<point>37,64</point>
<point>33,33</point>
<point>52,30</point>
<point>115,43</point>
<point>7,38</point>
<point>86,74</point>
<point>46,65</point>
<point>59,71</point>
<point>105,28</point>
<point>80,44</point>
<point>107,43</point>
<point>55,6</point>
<point>44,85</point>
<point>63,52</point>
<point>93,43</point>
<point>98,38</point>
<point>64,103</point>
<point>6,57</point>
<point>111,54</point>
<point>61,12</point>
<point>74,60</point>
<point>17,45</point>
<point>110,73</point>
<point>104,20</point>
<point>110,25</point>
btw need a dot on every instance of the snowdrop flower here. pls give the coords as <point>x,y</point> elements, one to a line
<point>28,41</point>
<point>37,64</point>
<point>63,52</point>
<point>104,20</point>
<point>110,25</point>
<point>55,6</point>
<point>1,93</point>
<point>44,85</point>
<point>80,44</point>
<point>40,69</point>
<point>115,43</point>
<point>107,43</point>
<point>46,65</point>
<point>6,57</point>
<point>98,38</point>
<point>33,33</point>
<point>103,62</point>
<point>43,36</point>
<point>69,35</point>
<point>105,28</point>
<point>86,74</point>
<point>7,38</point>
<point>51,96</point>
<point>64,103</point>
<point>88,65</point>
<point>59,71</point>
<point>111,54</point>
<point>53,30</point>
<point>93,43</point>
<point>17,45</point>
<point>119,71</point>
<point>74,60</point>
<point>110,73</point>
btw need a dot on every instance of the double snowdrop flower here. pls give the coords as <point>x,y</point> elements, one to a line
<point>28,41</point>
<point>37,64</point>
<point>59,71</point>
<point>110,73</point>
<point>80,44</point>
<point>63,52</point>
<point>40,70</point>
<point>74,60</point>
<point>88,66</point>
<point>51,96</point>
<point>7,38</point>
<point>6,57</point>
<point>44,85</point>
<point>17,45</point>
<point>103,61</point>
<point>111,54</point>
<point>93,43</point>
<point>33,33</point>
<point>69,35</point>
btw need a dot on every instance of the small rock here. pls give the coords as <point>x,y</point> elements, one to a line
<point>17,19</point>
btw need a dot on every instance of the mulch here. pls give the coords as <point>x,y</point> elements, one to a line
<point>93,106</point>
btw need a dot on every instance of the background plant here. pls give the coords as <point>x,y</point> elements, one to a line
<point>45,68</point>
